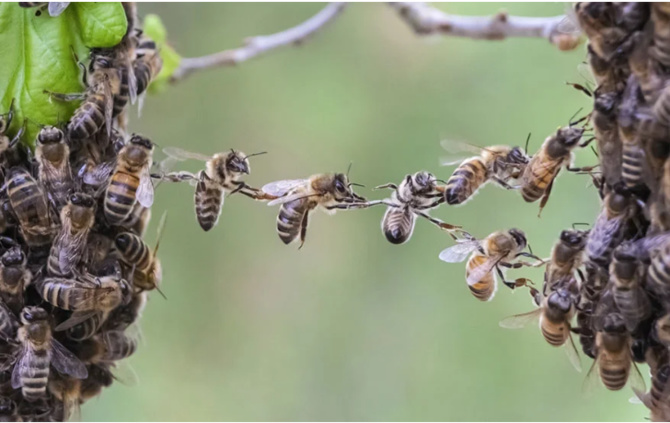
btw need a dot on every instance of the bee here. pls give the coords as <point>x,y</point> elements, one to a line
<point>148,271</point>
<point>498,163</point>
<point>495,251</point>
<point>590,292</point>
<point>555,314</point>
<point>5,122</point>
<point>555,153</point>
<point>14,277</point>
<point>87,328</point>
<point>125,315</point>
<point>298,197</point>
<point>222,175</point>
<point>99,377</point>
<point>53,156</point>
<point>29,204</point>
<point>148,63</point>
<point>613,356</point>
<point>566,256</point>
<point>658,275</point>
<point>660,48</point>
<point>77,219</point>
<point>39,350</point>
<point>67,391</point>
<point>633,155</point>
<point>130,182</point>
<point>138,220</point>
<point>8,410</point>
<point>608,231</point>
<point>629,296</point>
<point>8,323</point>
<point>657,400</point>
<point>415,195</point>
<point>600,23</point>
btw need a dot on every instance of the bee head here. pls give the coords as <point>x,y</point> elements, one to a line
<point>423,181</point>
<point>605,103</point>
<point>13,257</point>
<point>624,264</point>
<point>141,141</point>
<point>341,189</point>
<point>660,331</point>
<point>123,241</point>
<point>7,406</point>
<point>237,162</point>
<point>614,323</point>
<point>573,238</point>
<point>570,136</point>
<point>82,200</point>
<point>618,199</point>
<point>33,314</point>
<point>517,155</point>
<point>50,135</point>
<point>519,237</point>
<point>560,300</point>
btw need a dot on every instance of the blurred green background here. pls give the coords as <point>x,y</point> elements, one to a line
<point>352,327</point>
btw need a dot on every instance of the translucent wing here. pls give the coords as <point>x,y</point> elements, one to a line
<point>109,105</point>
<point>181,154</point>
<point>66,362</point>
<point>288,198</point>
<point>71,251</point>
<point>519,321</point>
<point>459,252</point>
<point>478,273</point>
<point>279,188</point>
<point>145,192</point>
<point>76,318</point>
<point>573,355</point>
<point>458,152</point>
<point>123,373</point>
<point>26,356</point>
<point>99,174</point>
<point>71,408</point>
<point>635,379</point>
<point>57,7</point>
<point>569,24</point>
<point>592,379</point>
<point>132,82</point>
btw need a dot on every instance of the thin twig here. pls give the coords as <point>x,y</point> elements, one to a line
<point>426,20</point>
<point>256,46</point>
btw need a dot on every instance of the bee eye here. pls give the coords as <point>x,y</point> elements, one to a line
<point>339,186</point>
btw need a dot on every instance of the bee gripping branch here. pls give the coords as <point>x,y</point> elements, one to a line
<point>427,20</point>
<point>259,45</point>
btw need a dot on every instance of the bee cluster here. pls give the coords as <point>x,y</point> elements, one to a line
<point>74,269</point>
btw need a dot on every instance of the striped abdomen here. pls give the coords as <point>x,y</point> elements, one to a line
<point>7,324</point>
<point>538,175</point>
<point>121,98</point>
<point>554,333</point>
<point>486,287</point>
<point>659,272</point>
<point>290,218</point>
<point>587,338</point>
<point>208,202</point>
<point>88,118</point>
<point>87,328</point>
<point>134,251</point>
<point>120,196</point>
<point>398,224</point>
<point>633,305</point>
<point>64,293</point>
<point>30,206</point>
<point>633,161</point>
<point>466,180</point>
<point>614,369</point>
<point>119,346</point>
<point>659,392</point>
<point>35,375</point>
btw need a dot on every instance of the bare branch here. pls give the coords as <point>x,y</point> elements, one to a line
<point>426,20</point>
<point>256,46</point>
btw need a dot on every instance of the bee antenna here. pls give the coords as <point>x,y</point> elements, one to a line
<point>255,154</point>
<point>530,249</point>
<point>356,185</point>
<point>349,169</point>
<point>575,115</point>
<point>580,224</point>
<point>527,141</point>
<point>440,180</point>
<point>159,291</point>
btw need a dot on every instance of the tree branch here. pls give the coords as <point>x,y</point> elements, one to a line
<point>426,20</point>
<point>256,46</point>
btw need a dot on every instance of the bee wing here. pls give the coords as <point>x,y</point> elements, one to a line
<point>573,355</point>
<point>569,24</point>
<point>483,269</point>
<point>71,252</point>
<point>458,152</point>
<point>23,362</point>
<point>124,373</point>
<point>180,154</point>
<point>57,7</point>
<point>459,252</point>
<point>109,106</point>
<point>635,379</point>
<point>604,229</point>
<point>145,192</point>
<point>76,318</point>
<point>519,321</point>
<point>132,82</point>
<point>592,379</point>
<point>71,409</point>
<point>279,188</point>
<point>66,362</point>
<point>99,174</point>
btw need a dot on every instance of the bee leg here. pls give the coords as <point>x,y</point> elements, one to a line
<point>581,276</point>
<point>511,284</point>
<point>65,97</point>
<point>439,223</point>
<point>545,197</point>
<point>533,256</point>
<point>18,135</point>
<point>303,230</point>
<point>585,169</point>
<point>389,185</point>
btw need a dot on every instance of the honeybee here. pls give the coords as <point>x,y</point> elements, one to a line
<point>629,296</point>
<point>590,292</point>
<point>415,195</point>
<point>148,271</point>
<point>125,315</point>
<point>660,49</point>
<point>130,182</point>
<point>658,275</point>
<point>555,314</point>
<point>298,197</point>
<point>495,251</point>
<point>29,204</point>
<point>222,175</point>
<point>601,24</point>
<point>613,358</point>
<point>497,163</point>
<point>14,277</point>
<point>77,219</point>
<point>8,323</point>
<point>657,400</point>
<point>148,63</point>
<point>53,156</point>
<point>566,256</point>
<point>5,123</point>
<point>8,410</point>
<point>99,377</point>
<point>67,391</point>
<point>39,350</point>
<point>634,161</point>
<point>555,153</point>
<point>607,232</point>
<point>87,328</point>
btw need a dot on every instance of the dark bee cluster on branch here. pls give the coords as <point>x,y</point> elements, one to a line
<point>74,269</point>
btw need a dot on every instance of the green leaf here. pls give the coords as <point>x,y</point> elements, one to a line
<point>36,51</point>
<point>154,28</point>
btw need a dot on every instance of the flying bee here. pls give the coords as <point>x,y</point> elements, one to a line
<point>29,204</point>
<point>555,153</point>
<point>148,271</point>
<point>14,277</point>
<point>53,156</point>
<point>77,219</point>
<point>627,291</point>
<point>298,197</point>
<point>39,350</point>
<point>495,251</point>
<point>613,357</point>
<point>555,315</point>
<point>130,182</point>
<point>222,175</point>
<point>566,256</point>
<point>498,163</point>
<point>608,231</point>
